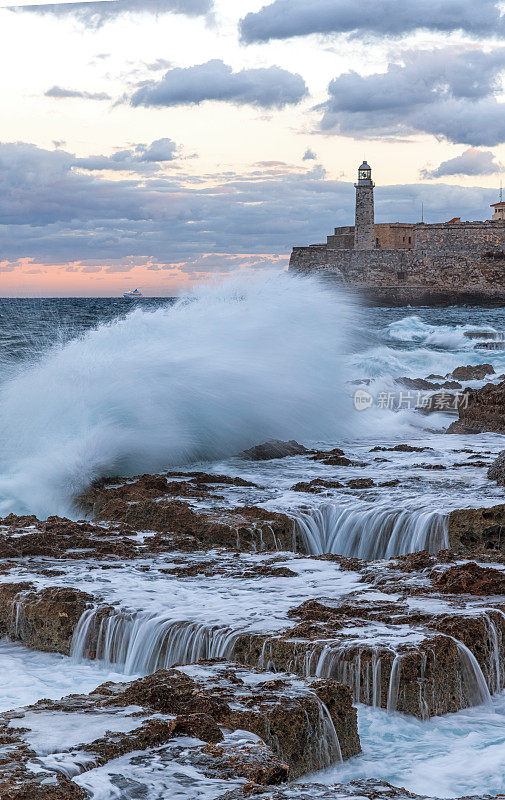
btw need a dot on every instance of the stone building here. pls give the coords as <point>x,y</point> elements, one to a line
<point>401,263</point>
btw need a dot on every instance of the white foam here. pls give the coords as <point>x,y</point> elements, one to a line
<point>220,371</point>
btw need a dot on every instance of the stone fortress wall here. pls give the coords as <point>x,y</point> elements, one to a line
<point>435,264</point>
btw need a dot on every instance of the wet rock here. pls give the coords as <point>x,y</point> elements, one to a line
<point>442,402</point>
<point>244,528</point>
<point>421,384</point>
<point>316,486</point>
<point>355,790</point>
<point>435,658</point>
<point>63,789</point>
<point>267,571</point>
<point>62,538</point>
<point>428,466</point>
<point>472,372</point>
<point>331,458</point>
<point>43,619</point>
<point>496,471</point>
<point>361,483</point>
<point>274,448</point>
<point>413,562</point>
<point>285,728</point>
<point>288,718</point>
<point>470,578</point>
<point>481,410</point>
<point>15,521</point>
<point>206,478</point>
<point>196,485</point>
<point>417,383</point>
<point>401,448</point>
<point>477,529</point>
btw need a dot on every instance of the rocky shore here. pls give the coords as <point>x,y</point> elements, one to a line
<point>247,631</point>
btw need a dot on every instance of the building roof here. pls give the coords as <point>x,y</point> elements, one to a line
<point>501,204</point>
<point>365,165</point>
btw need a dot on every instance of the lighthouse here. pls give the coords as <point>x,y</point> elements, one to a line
<point>364,232</point>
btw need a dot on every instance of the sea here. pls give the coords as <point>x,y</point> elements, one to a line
<point>107,386</point>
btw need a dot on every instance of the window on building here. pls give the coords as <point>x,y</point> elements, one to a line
<point>410,239</point>
<point>377,242</point>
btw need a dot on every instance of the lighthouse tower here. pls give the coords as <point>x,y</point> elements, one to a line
<point>364,234</point>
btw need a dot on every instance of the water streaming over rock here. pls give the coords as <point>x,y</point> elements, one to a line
<point>476,686</point>
<point>371,532</point>
<point>144,642</point>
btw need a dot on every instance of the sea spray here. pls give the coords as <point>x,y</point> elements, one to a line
<point>223,369</point>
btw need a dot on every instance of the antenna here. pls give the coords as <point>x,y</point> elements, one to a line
<point>501,191</point>
<point>422,212</point>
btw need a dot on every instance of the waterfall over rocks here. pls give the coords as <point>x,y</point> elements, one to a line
<point>142,643</point>
<point>372,532</point>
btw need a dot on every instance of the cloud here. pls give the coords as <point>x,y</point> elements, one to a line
<point>450,92</point>
<point>285,18</point>
<point>160,150</point>
<point>137,159</point>
<point>309,155</point>
<point>270,87</point>
<point>471,162</point>
<point>60,93</point>
<point>96,14</point>
<point>53,213</point>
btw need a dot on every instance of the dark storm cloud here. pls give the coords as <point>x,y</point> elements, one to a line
<point>450,92</point>
<point>52,212</point>
<point>96,14</point>
<point>59,93</point>
<point>471,162</point>
<point>285,18</point>
<point>270,87</point>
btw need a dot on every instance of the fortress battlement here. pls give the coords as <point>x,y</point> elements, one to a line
<point>400,263</point>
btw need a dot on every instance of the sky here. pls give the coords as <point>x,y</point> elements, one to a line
<point>161,143</point>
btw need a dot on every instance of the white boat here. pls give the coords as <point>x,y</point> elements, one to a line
<point>132,294</point>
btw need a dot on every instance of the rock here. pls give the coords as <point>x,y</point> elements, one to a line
<point>331,458</point>
<point>316,486</point>
<point>444,402</point>
<point>473,372</point>
<point>401,448</point>
<point>414,562</point>
<point>470,578</point>
<point>274,448</point>
<point>284,714</point>
<point>238,721</point>
<point>420,384</point>
<point>355,790</point>
<point>417,383</point>
<point>247,528</point>
<point>326,647</point>
<point>496,471</point>
<point>57,536</point>
<point>43,619</point>
<point>206,478</point>
<point>477,529</point>
<point>63,789</point>
<point>361,483</point>
<point>481,410</point>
